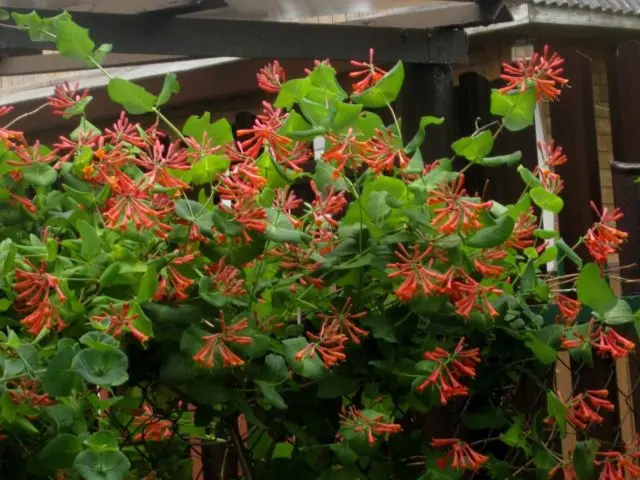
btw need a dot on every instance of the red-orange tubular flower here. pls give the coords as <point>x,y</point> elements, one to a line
<point>28,205</point>
<point>329,344</point>
<point>454,210</point>
<point>460,455</point>
<point>606,341</point>
<point>327,205</point>
<point>264,131</point>
<point>616,466</point>
<point>569,308</point>
<point>150,428</point>
<point>217,344</point>
<point>172,284</point>
<point>469,295</point>
<point>130,203</point>
<point>368,73</point>
<point>117,319</point>
<point>602,239</point>
<point>483,262</point>
<point>416,269</point>
<point>158,159</point>
<point>522,235</point>
<point>26,391</point>
<point>225,278</point>
<point>582,409</point>
<point>34,289</point>
<point>373,427</point>
<point>552,155</point>
<point>124,131</point>
<point>65,96</point>
<point>271,77</point>
<point>345,150</point>
<point>543,72</point>
<point>342,321</point>
<point>450,369</point>
<point>382,154</point>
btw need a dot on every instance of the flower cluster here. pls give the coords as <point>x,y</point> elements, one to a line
<point>217,345</point>
<point>449,369</point>
<point>372,425</point>
<point>460,455</point>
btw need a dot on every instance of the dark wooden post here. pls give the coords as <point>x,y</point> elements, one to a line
<point>502,184</point>
<point>573,127</point>
<point>624,104</point>
<point>428,90</point>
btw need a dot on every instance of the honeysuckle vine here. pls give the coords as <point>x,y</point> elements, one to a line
<point>307,315</point>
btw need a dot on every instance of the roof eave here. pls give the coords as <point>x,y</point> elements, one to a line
<point>528,14</point>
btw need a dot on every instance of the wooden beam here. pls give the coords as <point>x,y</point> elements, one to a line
<point>199,37</point>
<point>30,64</point>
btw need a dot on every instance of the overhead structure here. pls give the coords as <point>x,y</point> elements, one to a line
<point>151,31</point>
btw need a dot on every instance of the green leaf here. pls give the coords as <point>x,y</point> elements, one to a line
<point>275,370</point>
<point>546,200</point>
<point>291,92</point>
<point>550,254</point>
<point>568,252</point>
<point>619,314</point>
<point>323,77</point>
<point>99,341</point>
<point>74,41</point>
<point>385,91</point>
<point>102,466</point>
<point>335,386</point>
<point>207,168</point>
<point>148,284</point>
<point>309,367</point>
<point>110,275</point>
<point>104,441</point>
<point>557,411</point>
<point>514,436</point>
<point>283,235</point>
<point>543,352</point>
<point>368,123</point>
<point>594,291</point>
<point>8,408</point>
<point>59,453</point>
<point>60,379</point>
<point>90,246</point>
<point>134,98</point>
<point>381,328</point>
<point>493,235</point>
<point>545,234</point>
<point>484,419</point>
<point>219,132</point>
<point>271,396</point>
<point>502,160</point>
<point>583,457</point>
<point>77,108</point>
<point>101,52</point>
<point>194,212</point>
<point>528,177</point>
<point>40,174</point>
<point>169,87</point>
<point>418,138</point>
<point>4,15</point>
<point>474,148</point>
<point>517,109</point>
<point>107,368</point>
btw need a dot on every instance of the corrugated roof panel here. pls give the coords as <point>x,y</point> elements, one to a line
<point>627,7</point>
